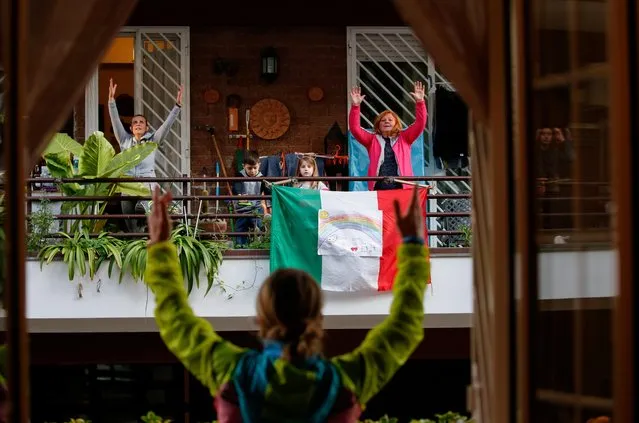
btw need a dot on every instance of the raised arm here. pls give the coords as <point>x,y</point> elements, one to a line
<point>191,339</point>
<point>354,117</point>
<point>118,129</point>
<point>163,130</point>
<point>421,115</point>
<point>386,348</point>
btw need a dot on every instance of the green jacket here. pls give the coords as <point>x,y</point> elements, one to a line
<point>252,386</point>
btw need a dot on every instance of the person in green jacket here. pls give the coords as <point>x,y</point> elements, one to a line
<point>289,381</point>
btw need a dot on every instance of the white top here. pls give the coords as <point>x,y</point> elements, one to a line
<point>308,185</point>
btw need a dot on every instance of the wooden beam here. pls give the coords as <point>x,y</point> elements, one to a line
<point>455,34</point>
<point>66,42</point>
<point>623,40</point>
<point>15,24</point>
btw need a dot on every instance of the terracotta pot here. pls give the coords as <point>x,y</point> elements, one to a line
<point>219,226</point>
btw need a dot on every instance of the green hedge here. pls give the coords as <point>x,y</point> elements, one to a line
<point>449,417</point>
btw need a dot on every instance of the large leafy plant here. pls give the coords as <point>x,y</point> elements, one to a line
<point>96,159</point>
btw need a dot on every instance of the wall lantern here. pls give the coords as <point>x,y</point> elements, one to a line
<point>269,64</point>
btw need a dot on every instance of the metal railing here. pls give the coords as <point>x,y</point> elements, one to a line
<point>190,203</point>
<point>576,220</point>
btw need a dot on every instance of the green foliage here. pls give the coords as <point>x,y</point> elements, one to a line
<point>195,254</point>
<point>96,159</point>
<point>467,235</point>
<point>261,239</point>
<point>84,255</point>
<point>151,417</point>
<point>40,224</point>
<point>449,417</point>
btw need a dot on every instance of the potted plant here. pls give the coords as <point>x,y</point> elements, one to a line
<point>96,159</point>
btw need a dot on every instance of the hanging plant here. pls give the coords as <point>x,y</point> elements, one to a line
<point>194,255</point>
<point>81,253</point>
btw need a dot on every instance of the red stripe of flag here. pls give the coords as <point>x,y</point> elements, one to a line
<point>391,238</point>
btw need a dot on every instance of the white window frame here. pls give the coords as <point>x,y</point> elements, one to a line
<point>91,110</point>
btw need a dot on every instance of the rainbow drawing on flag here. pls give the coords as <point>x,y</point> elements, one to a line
<point>342,232</point>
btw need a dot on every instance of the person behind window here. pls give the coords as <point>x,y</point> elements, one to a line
<point>140,133</point>
<point>388,146</point>
<point>307,167</point>
<point>565,151</point>
<point>250,169</point>
<point>546,155</point>
<point>289,380</point>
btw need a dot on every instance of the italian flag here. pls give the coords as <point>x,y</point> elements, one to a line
<point>347,241</point>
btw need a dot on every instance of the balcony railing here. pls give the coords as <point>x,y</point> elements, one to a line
<point>448,210</point>
<point>201,209</point>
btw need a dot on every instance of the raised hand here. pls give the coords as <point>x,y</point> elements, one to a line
<point>159,221</point>
<point>356,96</point>
<point>411,223</point>
<point>112,88</point>
<point>418,93</point>
<point>178,98</point>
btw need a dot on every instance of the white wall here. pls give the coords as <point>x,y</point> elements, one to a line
<point>53,304</point>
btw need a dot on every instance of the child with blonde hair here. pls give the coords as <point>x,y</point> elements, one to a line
<point>307,167</point>
<point>289,380</point>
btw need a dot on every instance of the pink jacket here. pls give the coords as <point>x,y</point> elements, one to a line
<point>401,144</point>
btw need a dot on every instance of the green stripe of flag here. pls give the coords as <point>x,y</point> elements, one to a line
<point>294,230</point>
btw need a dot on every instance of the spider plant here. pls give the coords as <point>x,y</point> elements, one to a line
<point>133,259</point>
<point>82,253</point>
<point>194,255</point>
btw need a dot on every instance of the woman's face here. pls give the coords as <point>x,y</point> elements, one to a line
<point>138,126</point>
<point>306,169</point>
<point>387,123</point>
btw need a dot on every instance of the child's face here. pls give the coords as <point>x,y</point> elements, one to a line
<point>306,169</point>
<point>251,170</point>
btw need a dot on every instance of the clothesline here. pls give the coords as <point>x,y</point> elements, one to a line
<point>320,156</point>
<point>401,181</point>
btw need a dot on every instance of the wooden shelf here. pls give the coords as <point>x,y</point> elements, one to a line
<point>590,72</point>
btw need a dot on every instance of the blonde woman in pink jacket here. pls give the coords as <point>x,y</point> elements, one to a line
<point>389,147</point>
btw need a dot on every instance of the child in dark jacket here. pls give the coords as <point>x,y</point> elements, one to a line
<point>255,208</point>
<point>289,380</point>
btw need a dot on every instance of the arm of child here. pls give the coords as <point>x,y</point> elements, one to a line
<point>203,352</point>
<point>386,348</point>
<point>191,339</point>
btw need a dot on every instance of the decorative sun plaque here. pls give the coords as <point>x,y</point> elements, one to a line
<point>270,119</point>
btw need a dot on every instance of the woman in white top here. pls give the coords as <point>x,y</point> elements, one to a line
<point>140,133</point>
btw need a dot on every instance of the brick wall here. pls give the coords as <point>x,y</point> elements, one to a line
<point>311,56</point>
<point>308,56</point>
